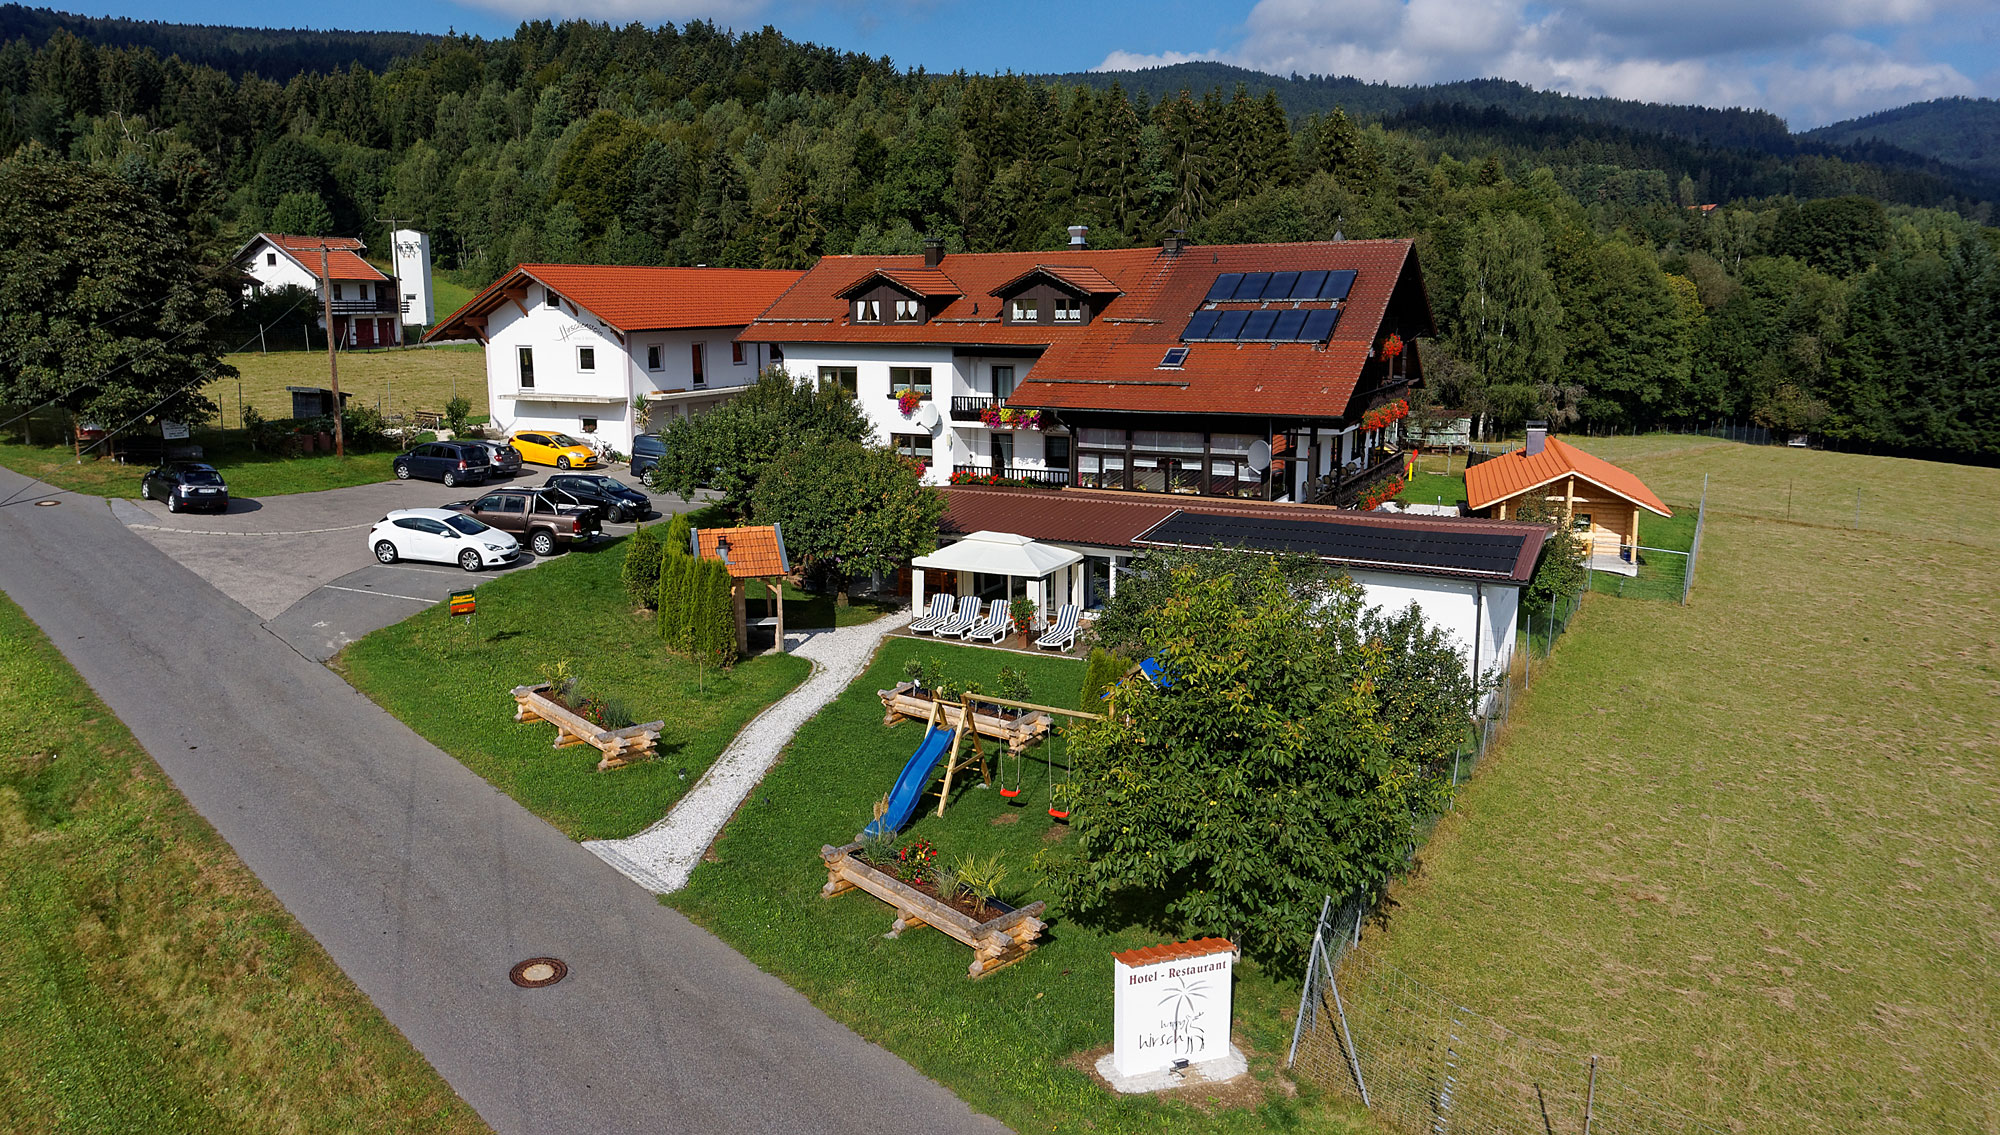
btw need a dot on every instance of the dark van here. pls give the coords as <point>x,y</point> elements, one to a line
<point>647,449</point>
<point>453,462</point>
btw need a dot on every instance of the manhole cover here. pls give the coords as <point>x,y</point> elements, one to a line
<point>537,972</point>
<point>47,504</point>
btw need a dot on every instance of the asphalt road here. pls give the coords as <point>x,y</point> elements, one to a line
<point>425,884</point>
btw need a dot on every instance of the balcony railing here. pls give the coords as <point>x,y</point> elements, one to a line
<point>1344,486</point>
<point>968,409</point>
<point>1041,478</point>
<point>380,305</point>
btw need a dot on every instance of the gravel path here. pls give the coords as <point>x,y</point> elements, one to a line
<point>662,857</point>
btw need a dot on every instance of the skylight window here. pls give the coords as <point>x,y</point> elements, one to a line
<point>1175,357</point>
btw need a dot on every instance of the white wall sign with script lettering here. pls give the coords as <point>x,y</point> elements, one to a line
<point>1172,1003</point>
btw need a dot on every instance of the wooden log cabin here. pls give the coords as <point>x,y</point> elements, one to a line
<point>1602,501</point>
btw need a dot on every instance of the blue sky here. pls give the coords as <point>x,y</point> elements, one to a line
<point>1813,61</point>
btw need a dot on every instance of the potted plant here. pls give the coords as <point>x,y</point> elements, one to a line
<point>1023,611</point>
<point>908,399</point>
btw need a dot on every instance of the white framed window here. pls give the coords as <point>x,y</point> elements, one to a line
<point>270,260</point>
<point>653,357</point>
<point>336,291</point>
<point>1025,311</point>
<point>700,375</point>
<point>907,311</point>
<point>914,378</point>
<point>1069,311</point>
<point>526,358</point>
<point>736,352</point>
<point>912,445</point>
<point>586,359</point>
<point>847,378</point>
<point>867,311</point>
<point>589,425</point>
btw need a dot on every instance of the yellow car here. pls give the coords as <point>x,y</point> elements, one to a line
<point>559,450</point>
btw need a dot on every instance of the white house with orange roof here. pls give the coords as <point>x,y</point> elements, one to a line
<point>583,349</point>
<point>366,312</point>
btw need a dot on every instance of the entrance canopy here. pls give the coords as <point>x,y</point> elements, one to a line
<point>999,553</point>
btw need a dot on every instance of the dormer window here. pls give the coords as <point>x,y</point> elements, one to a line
<point>1025,311</point>
<point>908,311</point>
<point>1069,310</point>
<point>867,311</point>
<point>553,300</point>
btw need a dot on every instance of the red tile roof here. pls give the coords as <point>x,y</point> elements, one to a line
<point>1112,362</point>
<point>1509,475</point>
<point>1174,951</point>
<point>1080,277</point>
<point>343,261</point>
<point>1106,518</point>
<point>926,282</point>
<point>755,552</point>
<point>638,299</point>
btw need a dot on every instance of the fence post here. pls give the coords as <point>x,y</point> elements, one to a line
<point>1857,510</point>
<point>1590,1098</point>
<point>1305,995</point>
<point>1347,1038</point>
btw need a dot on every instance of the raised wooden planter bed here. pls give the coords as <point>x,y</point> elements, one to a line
<point>1016,728</point>
<point>1005,937</point>
<point>619,746</point>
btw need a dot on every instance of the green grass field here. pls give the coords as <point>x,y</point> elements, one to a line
<point>250,474</point>
<point>450,683</point>
<point>1743,849</point>
<point>150,983</point>
<point>396,381</point>
<point>1011,1044</point>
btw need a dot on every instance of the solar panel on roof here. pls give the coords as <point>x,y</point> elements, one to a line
<point>1446,548</point>
<point>1258,327</point>
<point>1288,326</point>
<point>1280,286</point>
<point>1319,325</point>
<point>1307,286</point>
<point>1175,356</point>
<point>1252,286</point>
<point>1337,285</point>
<point>1229,325</point>
<point>1225,286</point>
<point>1200,326</point>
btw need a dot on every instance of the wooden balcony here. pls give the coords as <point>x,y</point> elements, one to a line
<point>1345,486</point>
<point>965,409</point>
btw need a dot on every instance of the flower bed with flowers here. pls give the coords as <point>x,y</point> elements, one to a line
<point>908,399</point>
<point>1008,418</point>
<point>968,477</point>
<point>1385,415</point>
<point>1380,493</point>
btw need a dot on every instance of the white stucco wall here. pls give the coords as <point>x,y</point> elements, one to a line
<point>1482,618</point>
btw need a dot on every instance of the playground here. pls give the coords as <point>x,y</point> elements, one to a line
<point>1012,1042</point>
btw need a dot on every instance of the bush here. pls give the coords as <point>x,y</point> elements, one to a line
<point>456,412</point>
<point>1101,673</point>
<point>697,609</point>
<point>641,572</point>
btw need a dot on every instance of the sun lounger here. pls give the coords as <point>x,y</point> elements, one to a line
<point>935,617</point>
<point>994,627</point>
<point>1061,636</point>
<point>967,615</point>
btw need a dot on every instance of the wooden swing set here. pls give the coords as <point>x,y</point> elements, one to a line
<point>1032,726</point>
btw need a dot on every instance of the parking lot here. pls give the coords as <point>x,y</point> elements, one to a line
<point>301,562</point>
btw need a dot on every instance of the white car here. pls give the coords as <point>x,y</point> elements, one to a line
<point>441,536</point>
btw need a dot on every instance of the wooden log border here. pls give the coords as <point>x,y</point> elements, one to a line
<point>619,746</point>
<point>996,943</point>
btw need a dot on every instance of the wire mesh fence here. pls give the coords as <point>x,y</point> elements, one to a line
<point>1423,1062</point>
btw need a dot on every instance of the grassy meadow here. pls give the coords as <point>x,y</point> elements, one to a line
<point>150,983</point>
<point>397,380</point>
<point>1743,849</point>
<point>574,608</point>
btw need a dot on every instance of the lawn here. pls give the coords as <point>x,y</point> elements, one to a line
<point>1743,849</point>
<point>150,983</point>
<point>394,381</point>
<point>573,608</point>
<point>1012,1044</point>
<point>249,473</point>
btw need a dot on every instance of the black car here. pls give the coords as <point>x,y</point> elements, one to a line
<point>185,484</point>
<point>647,449</point>
<point>453,462</point>
<point>619,501</point>
<point>506,459</point>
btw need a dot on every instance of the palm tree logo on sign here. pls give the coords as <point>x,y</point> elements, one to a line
<point>1181,1005</point>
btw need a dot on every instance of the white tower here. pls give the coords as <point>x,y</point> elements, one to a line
<point>413,275</point>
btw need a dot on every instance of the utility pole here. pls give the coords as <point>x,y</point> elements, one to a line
<point>395,279</point>
<point>332,359</point>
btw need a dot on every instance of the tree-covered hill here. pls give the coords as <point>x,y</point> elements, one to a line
<point>272,53</point>
<point>1960,131</point>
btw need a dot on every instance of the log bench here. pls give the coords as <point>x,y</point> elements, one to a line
<point>619,746</point>
<point>1016,731</point>
<point>1000,941</point>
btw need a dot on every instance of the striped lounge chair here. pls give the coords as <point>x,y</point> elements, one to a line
<point>1062,635</point>
<point>994,627</point>
<point>962,621</point>
<point>935,617</point>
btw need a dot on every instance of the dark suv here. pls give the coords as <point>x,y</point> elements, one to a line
<point>453,462</point>
<point>647,449</point>
<point>620,502</point>
<point>506,459</point>
<point>185,484</point>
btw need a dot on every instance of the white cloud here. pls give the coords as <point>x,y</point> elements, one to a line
<point>1134,61</point>
<point>1804,59</point>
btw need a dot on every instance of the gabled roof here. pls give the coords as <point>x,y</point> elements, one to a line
<point>930,283</point>
<point>1077,278</point>
<point>1511,474</point>
<point>633,298</point>
<point>1449,547</point>
<point>343,258</point>
<point>755,552</point>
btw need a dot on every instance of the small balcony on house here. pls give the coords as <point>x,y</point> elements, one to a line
<point>979,469</point>
<point>969,409</point>
<point>377,304</point>
<point>1347,484</point>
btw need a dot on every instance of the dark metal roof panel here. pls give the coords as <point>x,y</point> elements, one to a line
<point>1464,551</point>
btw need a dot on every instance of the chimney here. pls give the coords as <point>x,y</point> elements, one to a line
<point>933,252</point>
<point>1175,242</point>
<point>1076,235</point>
<point>1538,434</point>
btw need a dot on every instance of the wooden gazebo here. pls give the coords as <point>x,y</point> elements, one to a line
<point>756,552</point>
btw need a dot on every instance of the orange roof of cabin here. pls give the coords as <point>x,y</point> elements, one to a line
<point>754,552</point>
<point>1511,474</point>
<point>1200,947</point>
<point>343,257</point>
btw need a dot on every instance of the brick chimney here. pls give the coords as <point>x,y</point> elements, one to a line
<point>933,252</point>
<point>1176,241</point>
<point>1538,436</point>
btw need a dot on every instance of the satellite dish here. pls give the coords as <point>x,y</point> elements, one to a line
<point>927,415</point>
<point>1260,456</point>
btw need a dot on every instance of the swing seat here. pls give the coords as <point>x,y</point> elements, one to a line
<point>1058,815</point>
<point>1010,793</point>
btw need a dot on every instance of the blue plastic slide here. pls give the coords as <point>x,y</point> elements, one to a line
<point>910,785</point>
